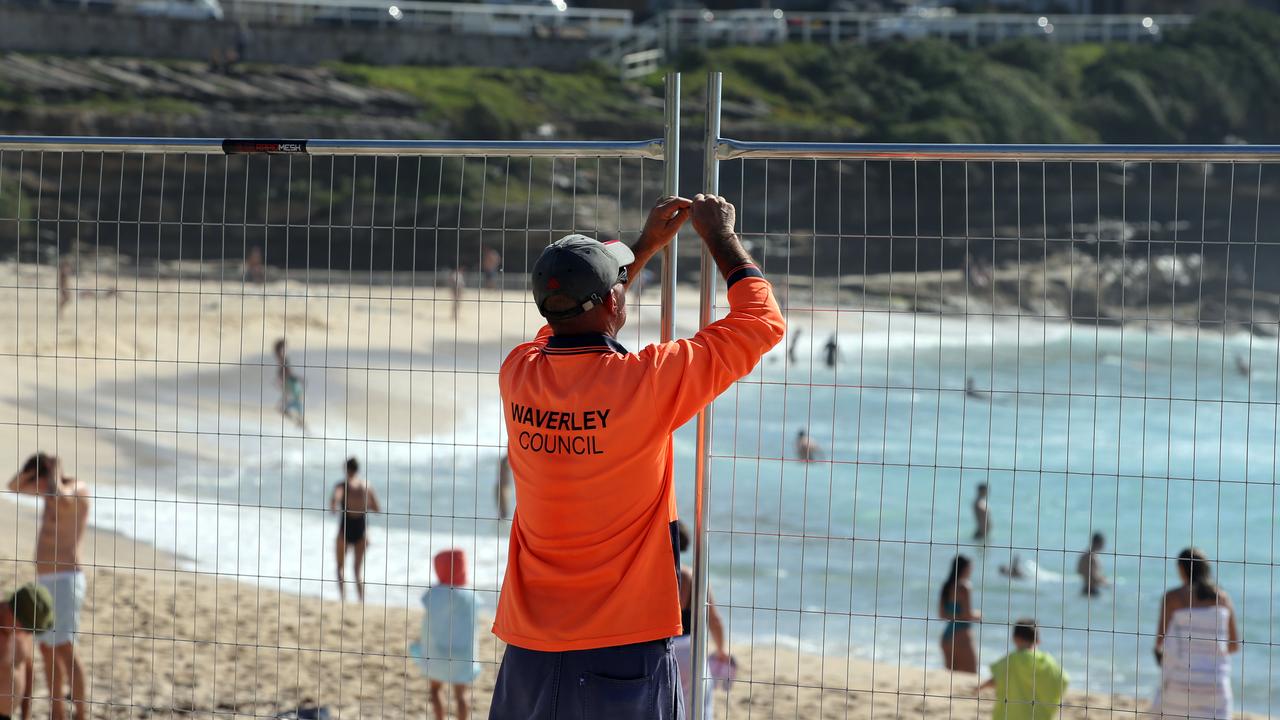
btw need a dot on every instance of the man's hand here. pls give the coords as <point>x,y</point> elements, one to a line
<point>24,482</point>
<point>665,219</point>
<point>713,216</point>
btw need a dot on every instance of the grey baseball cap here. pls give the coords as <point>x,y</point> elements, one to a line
<point>581,269</point>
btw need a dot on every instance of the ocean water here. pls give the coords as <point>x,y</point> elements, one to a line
<point>1160,439</point>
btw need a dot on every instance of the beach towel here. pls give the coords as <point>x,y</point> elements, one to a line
<point>1196,669</point>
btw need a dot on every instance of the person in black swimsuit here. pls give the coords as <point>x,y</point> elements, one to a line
<point>353,527</point>
<point>352,500</point>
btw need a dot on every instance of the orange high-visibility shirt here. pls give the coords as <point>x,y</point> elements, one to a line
<point>591,561</point>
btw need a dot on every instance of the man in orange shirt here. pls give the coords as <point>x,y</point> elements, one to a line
<point>591,597</point>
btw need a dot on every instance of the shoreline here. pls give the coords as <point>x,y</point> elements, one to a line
<point>165,641</point>
<point>144,605</point>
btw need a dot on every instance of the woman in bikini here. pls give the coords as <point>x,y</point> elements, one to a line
<point>956,607</point>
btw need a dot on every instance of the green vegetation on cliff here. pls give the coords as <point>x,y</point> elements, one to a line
<point>1217,80</point>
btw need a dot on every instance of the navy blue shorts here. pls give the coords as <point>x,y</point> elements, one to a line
<point>626,682</point>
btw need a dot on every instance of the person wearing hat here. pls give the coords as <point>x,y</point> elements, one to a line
<point>591,599</point>
<point>26,611</point>
<point>446,647</point>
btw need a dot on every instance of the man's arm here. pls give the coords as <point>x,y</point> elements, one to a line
<point>689,374</point>
<point>374,505</point>
<point>25,483</point>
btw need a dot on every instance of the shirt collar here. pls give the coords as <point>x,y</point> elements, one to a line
<point>584,343</point>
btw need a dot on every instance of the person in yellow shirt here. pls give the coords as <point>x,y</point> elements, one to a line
<point>1029,683</point>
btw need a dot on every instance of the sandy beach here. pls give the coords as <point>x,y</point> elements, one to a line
<point>134,384</point>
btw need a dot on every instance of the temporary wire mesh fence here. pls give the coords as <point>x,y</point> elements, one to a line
<point>1092,341</point>
<point>144,295</point>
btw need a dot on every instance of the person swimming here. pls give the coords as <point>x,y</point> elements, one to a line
<point>806,448</point>
<point>1089,567</point>
<point>1013,570</point>
<point>981,515</point>
<point>1242,366</point>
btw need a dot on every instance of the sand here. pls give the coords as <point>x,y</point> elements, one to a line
<point>103,388</point>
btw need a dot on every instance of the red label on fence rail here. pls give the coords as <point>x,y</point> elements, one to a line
<point>240,147</point>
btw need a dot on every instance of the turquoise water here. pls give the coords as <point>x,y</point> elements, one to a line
<point>1158,440</point>
<point>1155,438</point>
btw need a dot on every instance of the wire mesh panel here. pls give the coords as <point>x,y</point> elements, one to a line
<point>204,340</point>
<point>1001,359</point>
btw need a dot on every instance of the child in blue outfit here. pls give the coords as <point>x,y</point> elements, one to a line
<point>446,648</point>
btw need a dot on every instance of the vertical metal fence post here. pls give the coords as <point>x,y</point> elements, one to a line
<point>711,184</point>
<point>671,186</point>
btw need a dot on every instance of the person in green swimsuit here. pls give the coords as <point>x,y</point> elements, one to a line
<point>290,383</point>
<point>956,607</point>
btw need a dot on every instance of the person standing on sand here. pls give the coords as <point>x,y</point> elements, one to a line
<point>353,499</point>
<point>591,598</point>
<point>981,515</point>
<point>683,644</point>
<point>63,522</point>
<point>446,646</point>
<point>955,605</point>
<point>1195,639</point>
<point>64,285</point>
<point>490,265</point>
<point>1089,567</point>
<point>290,383</point>
<point>255,270</point>
<point>27,610</point>
<point>457,282</point>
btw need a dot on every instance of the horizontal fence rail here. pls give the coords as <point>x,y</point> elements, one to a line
<point>651,149</point>
<point>727,149</point>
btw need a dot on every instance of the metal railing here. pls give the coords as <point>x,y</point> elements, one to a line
<point>1089,333</point>
<point>463,18</point>
<point>675,30</point>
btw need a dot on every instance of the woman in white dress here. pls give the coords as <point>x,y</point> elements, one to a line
<point>1194,641</point>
